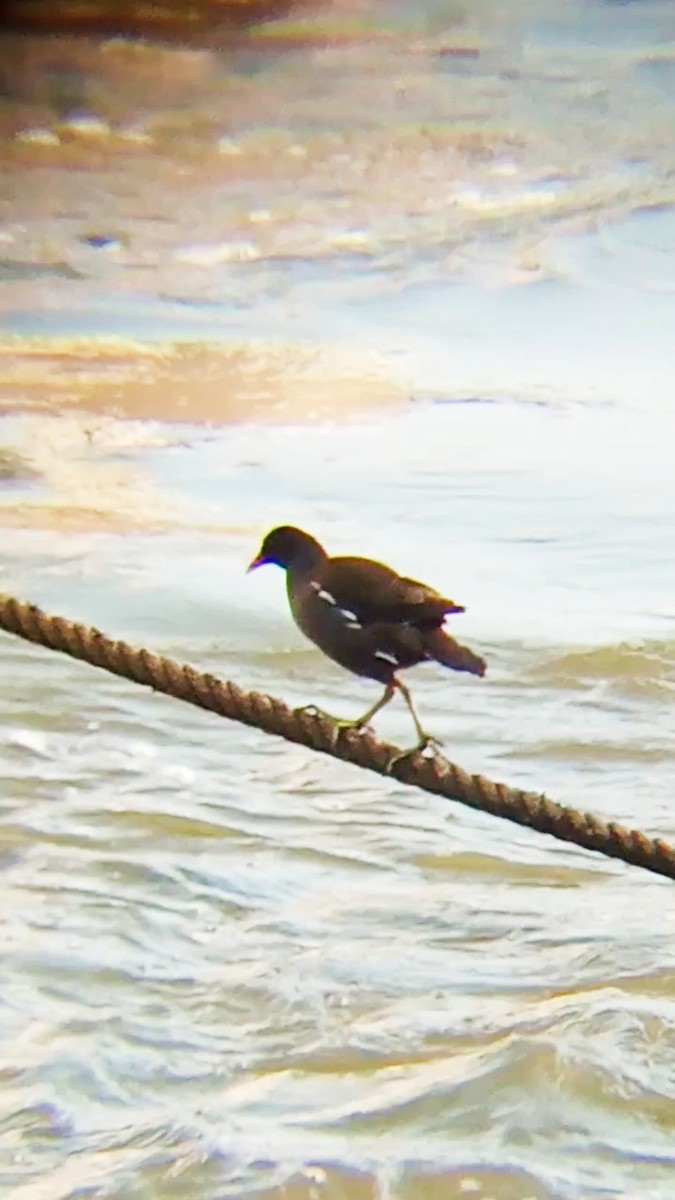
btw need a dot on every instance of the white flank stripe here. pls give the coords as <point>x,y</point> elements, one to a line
<point>322,593</point>
<point>390,658</point>
<point>349,615</point>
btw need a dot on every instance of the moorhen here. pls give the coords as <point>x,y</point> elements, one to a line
<point>365,617</point>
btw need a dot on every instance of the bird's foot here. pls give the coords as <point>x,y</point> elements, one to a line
<point>344,725</point>
<point>313,709</point>
<point>428,746</point>
<point>340,724</point>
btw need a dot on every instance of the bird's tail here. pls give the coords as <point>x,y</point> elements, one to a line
<point>449,653</point>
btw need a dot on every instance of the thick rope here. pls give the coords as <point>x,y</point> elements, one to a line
<point>319,732</point>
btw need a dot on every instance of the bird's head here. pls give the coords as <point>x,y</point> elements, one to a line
<point>287,546</point>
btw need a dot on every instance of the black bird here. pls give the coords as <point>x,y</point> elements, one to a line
<point>366,617</point>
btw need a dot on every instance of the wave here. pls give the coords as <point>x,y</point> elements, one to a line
<point>629,666</point>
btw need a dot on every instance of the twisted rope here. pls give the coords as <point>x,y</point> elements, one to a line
<point>320,732</point>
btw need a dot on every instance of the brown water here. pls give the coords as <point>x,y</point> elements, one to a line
<point>409,282</point>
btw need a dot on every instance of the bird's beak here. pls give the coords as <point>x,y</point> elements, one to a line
<point>257,562</point>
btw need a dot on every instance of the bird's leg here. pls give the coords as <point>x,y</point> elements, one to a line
<point>343,723</point>
<point>424,740</point>
<point>367,717</point>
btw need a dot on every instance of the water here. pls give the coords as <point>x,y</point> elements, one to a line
<point>420,302</point>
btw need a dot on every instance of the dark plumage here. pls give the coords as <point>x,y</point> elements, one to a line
<point>364,616</point>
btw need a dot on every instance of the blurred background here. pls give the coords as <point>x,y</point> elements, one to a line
<point>402,274</point>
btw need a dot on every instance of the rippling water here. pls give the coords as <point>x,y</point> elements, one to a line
<point>413,290</point>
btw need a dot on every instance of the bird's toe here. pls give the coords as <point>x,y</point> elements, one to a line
<point>427,746</point>
<point>430,746</point>
<point>338,725</point>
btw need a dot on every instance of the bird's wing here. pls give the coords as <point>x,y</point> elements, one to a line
<point>373,592</point>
